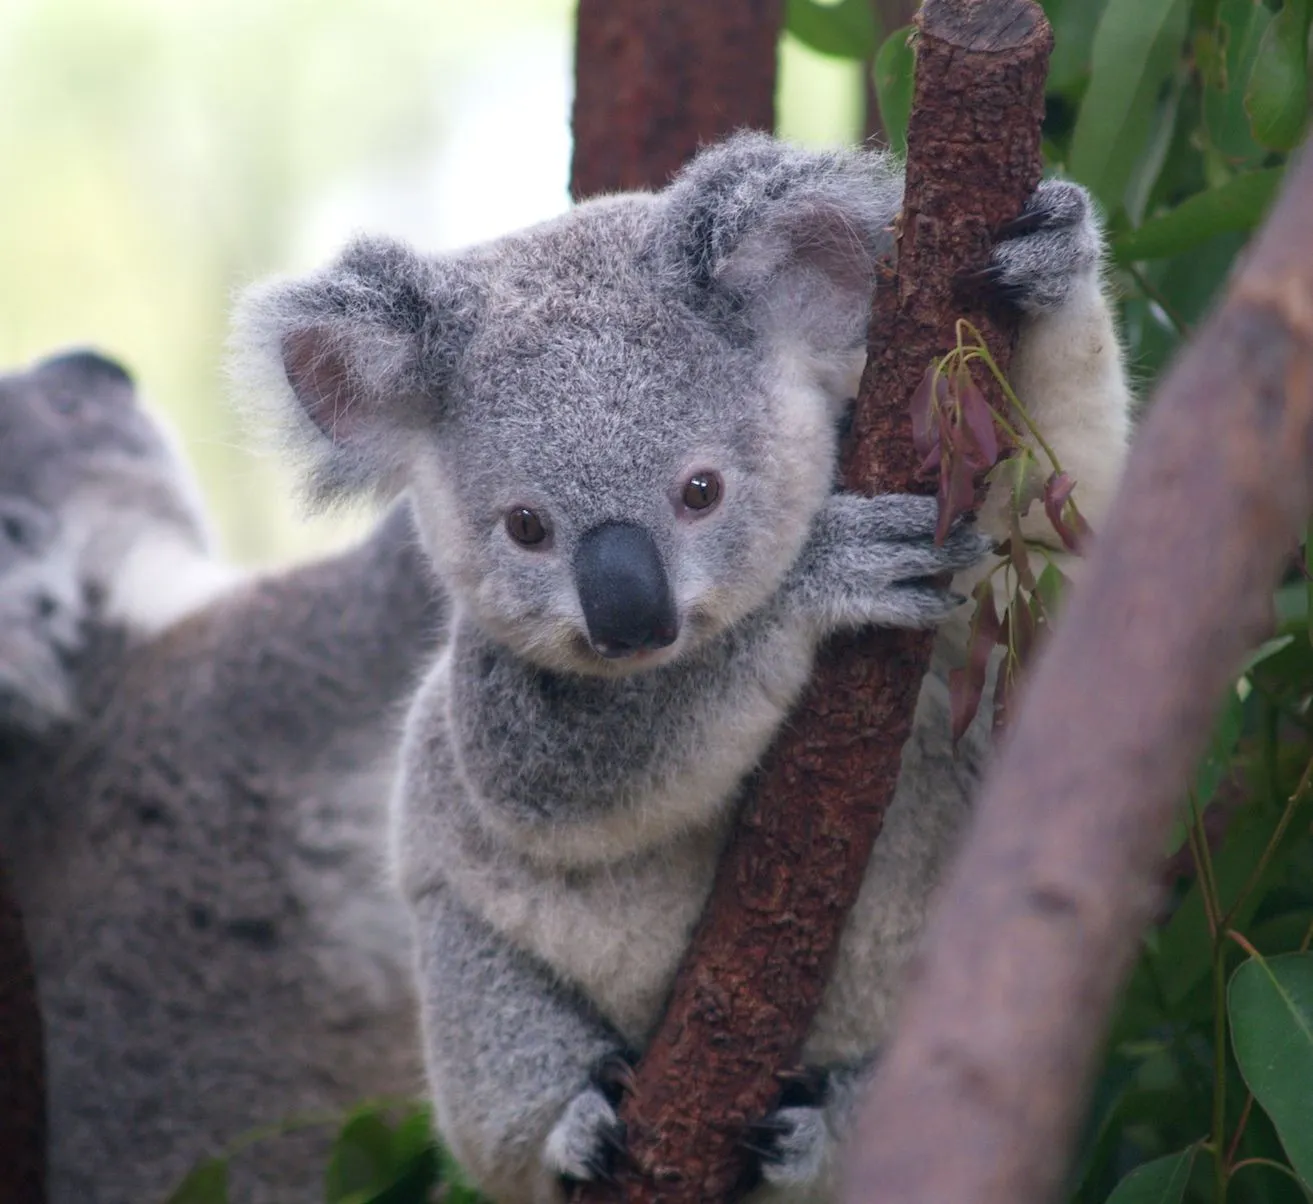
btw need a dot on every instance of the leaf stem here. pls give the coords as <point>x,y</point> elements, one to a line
<point>1269,851</point>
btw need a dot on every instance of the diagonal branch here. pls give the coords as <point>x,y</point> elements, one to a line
<point>979,1094</point>
<point>754,975</point>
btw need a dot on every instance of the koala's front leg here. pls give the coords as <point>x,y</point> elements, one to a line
<point>869,561</point>
<point>1068,369</point>
<point>521,1070</point>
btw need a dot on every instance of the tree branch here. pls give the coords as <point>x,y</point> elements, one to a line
<point>758,964</point>
<point>979,1095</point>
<point>655,79</point>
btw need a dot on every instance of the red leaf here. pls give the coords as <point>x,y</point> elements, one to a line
<point>1067,521</point>
<point>921,407</point>
<point>978,420</point>
<point>964,695</point>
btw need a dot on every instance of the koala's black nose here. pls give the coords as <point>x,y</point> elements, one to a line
<point>624,590</point>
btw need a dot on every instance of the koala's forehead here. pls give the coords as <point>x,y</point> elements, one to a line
<point>581,319</point>
<point>59,414</point>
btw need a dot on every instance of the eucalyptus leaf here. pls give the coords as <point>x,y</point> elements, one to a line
<point>1238,205</point>
<point>844,30</point>
<point>1270,1004</point>
<point>893,74</point>
<point>361,1162</point>
<point>1238,34</point>
<point>1162,1181</point>
<point>206,1183</point>
<point>1277,96</point>
<point>1137,48</point>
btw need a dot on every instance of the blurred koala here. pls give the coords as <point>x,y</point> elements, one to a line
<point>192,767</point>
<point>621,430</point>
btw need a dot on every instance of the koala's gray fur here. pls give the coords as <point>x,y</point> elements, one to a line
<point>191,806</point>
<point>561,806</point>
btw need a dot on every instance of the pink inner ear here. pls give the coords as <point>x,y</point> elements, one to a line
<point>318,374</point>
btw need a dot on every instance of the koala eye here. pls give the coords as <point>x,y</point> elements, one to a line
<point>702,491</point>
<point>526,528</point>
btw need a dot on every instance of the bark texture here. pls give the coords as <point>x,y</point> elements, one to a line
<point>978,1097</point>
<point>22,1065</point>
<point>655,79</point>
<point>755,973</point>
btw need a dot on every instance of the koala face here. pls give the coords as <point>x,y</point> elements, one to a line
<point>600,485</point>
<point>617,426</point>
<point>63,413</point>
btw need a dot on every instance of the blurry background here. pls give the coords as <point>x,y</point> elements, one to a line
<point>155,156</point>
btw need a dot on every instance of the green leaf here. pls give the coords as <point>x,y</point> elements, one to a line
<point>1277,96</point>
<point>361,1162</point>
<point>1185,948</point>
<point>1074,23</point>
<point>844,30</point>
<point>893,74</point>
<point>206,1183</point>
<point>1270,1003</point>
<point>1238,205</point>
<point>1137,47</point>
<point>1216,761</point>
<point>1162,1181</point>
<point>1234,44</point>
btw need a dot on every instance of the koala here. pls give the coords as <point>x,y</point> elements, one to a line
<point>620,430</point>
<point>193,763</point>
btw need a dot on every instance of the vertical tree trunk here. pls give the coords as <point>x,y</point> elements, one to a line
<point>655,79</point>
<point>754,975</point>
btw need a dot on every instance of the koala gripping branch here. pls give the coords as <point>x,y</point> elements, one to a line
<point>755,973</point>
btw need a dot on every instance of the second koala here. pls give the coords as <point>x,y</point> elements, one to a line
<point>620,429</point>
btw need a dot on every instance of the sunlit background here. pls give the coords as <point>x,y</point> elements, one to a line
<point>155,155</point>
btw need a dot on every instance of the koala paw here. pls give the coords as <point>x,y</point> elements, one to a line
<point>589,1140</point>
<point>1054,241</point>
<point>791,1147</point>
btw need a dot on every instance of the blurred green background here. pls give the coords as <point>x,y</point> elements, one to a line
<point>156,155</point>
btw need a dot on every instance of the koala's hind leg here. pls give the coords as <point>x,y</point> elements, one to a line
<point>517,1062</point>
<point>795,1149</point>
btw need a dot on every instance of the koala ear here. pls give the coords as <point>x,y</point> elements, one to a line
<point>787,237</point>
<point>349,362</point>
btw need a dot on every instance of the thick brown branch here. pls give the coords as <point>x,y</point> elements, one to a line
<point>655,79</point>
<point>981,1090</point>
<point>754,975</point>
<point>22,1073</point>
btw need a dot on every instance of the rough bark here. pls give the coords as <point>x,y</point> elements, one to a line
<point>981,1090</point>
<point>754,975</point>
<point>22,1072</point>
<point>655,79</point>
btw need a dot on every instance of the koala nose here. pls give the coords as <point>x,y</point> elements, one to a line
<point>624,590</point>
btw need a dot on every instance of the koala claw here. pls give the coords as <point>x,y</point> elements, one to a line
<point>589,1139</point>
<point>1039,253</point>
<point>790,1146</point>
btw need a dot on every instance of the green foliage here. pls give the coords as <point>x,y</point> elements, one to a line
<point>1162,1181</point>
<point>1271,1008</point>
<point>846,29</point>
<point>895,62</point>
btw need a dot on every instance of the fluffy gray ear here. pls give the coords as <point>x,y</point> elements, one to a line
<point>349,362</point>
<point>785,236</point>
